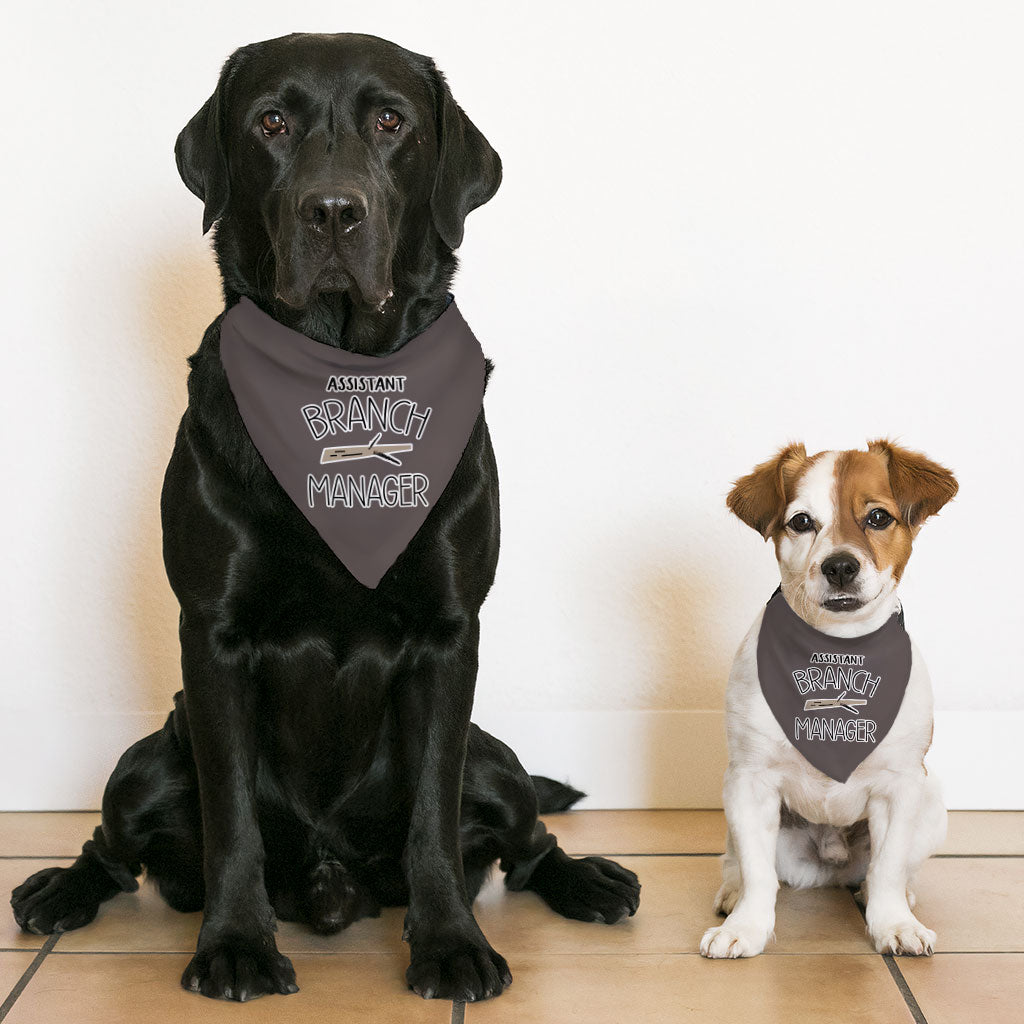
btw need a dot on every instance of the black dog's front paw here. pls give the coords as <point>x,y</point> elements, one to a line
<point>463,967</point>
<point>239,969</point>
<point>55,900</point>
<point>587,888</point>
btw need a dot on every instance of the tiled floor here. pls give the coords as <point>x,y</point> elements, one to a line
<point>126,965</point>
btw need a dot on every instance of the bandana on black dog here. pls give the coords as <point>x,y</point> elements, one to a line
<point>363,445</point>
<point>835,697</point>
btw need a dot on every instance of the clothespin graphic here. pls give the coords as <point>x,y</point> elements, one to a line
<point>373,450</point>
<point>842,701</point>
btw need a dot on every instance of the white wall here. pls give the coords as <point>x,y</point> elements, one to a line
<point>722,226</point>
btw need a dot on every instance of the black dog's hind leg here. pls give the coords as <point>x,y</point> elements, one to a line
<point>150,816</point>
<point>499,822</point>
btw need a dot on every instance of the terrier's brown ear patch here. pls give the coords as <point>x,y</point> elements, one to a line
<point>921,487</point>
<point>760,497</point>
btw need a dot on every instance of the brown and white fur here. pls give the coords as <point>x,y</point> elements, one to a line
<point>789,822</point>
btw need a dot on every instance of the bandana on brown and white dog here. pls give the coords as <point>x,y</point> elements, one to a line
<point>842,524</point>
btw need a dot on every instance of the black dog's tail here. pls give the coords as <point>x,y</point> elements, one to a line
<point>554,796</point>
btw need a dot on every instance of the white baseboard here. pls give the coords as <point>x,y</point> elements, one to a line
<point>677,758</point>
<point>621,758</point>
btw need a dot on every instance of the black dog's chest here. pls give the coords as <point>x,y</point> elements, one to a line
<point>333,663</point>
<point>302,597</point>
<point>327,655</point>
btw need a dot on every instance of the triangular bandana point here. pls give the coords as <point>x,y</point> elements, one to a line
<point>835,698</point>
<point>364,446</point>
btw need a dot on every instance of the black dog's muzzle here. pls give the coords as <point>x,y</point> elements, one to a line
<point>332,230</point>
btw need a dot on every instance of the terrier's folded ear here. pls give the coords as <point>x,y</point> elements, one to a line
<point>760,497</point>
<point>921,487</point>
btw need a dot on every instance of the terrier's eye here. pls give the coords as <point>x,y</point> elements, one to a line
<point>389,121</point>
<point>879,519</point>
<point>801,523</point>
<point>273,123</point>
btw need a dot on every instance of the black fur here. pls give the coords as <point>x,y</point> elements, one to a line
<point>320,761</point>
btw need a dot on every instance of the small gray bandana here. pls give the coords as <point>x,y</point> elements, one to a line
<point>362,445</point>
<point>835,698</point>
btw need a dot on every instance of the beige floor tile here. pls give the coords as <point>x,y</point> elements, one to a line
<point>973,903</point>
<point>639,831</point>
<point>957,988</point>
<point>675,909</point>
<point>666,989</point>
<point>985,832</point>
<point>45,833</point>
<point>141,922</point>
<point>12,967</point>
<point>106,988</point>
<point>13,873</point>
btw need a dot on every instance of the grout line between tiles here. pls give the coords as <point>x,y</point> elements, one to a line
<point>894,972</point>
<point>666,853</point>
<point>595,853</point>
<point>458,1013</point>
<point>190,952</point>
<point>37,856</point>
<point>975,856</point>
<point>901,984</point>
<point>940,953</point>
<point>619,853</point>
<point>19,986</point>
<point>323,953</point>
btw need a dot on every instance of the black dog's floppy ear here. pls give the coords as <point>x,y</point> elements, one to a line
<point>200,155</point>
<point>468,169</point>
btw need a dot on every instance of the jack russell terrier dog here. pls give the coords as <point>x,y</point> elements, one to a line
<point>829,704</point>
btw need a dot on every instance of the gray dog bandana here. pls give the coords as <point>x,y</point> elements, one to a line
<point>835,697</point>
<point>363,445</point>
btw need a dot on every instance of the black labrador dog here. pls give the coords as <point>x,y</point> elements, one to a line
<point>320,761</point>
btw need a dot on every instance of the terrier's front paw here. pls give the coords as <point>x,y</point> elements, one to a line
<point>904,938</point>
<point>733,939</point>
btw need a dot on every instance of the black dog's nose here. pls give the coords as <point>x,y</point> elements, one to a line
<point>840,569</point>
<point>343,210</point>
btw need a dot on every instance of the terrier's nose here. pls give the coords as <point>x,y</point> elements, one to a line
<point>343,210</point>
<point>840,569</point>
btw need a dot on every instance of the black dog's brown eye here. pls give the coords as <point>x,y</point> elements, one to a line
<point>801,523</point>
<point>273,123</point>
<point>389,121</point>
<point>879,519</point>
